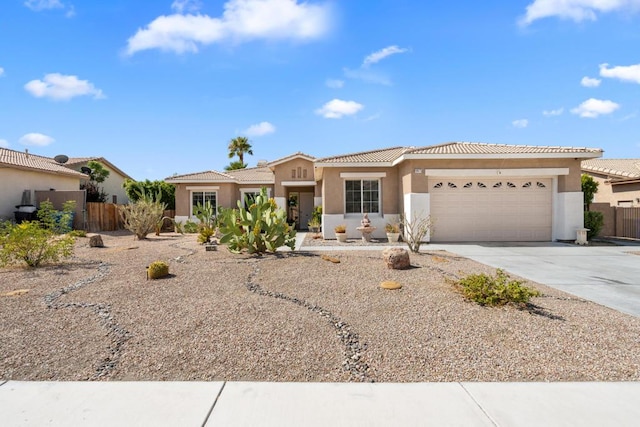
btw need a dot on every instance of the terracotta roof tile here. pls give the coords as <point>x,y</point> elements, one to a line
<point>484,148</point>
<point>206,176</point>
<point>258,174</point>
<point>621,168</point>
<point>23,160</point>
<point>386,155</point>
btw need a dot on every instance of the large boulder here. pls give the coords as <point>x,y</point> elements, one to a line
<point>396,258</point>
<point>96,241</point>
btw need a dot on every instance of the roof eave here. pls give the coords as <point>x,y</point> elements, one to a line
<point>354,165</point>
<point>579,155</point>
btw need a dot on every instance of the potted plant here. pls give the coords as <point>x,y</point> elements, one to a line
<point>393,231</point>
<point>314,225</point>
<point>341,232</point>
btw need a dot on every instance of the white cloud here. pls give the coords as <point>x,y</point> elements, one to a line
<point>262,128</point>
<point>332,83</point>
<point>550,113</point>
<point>39,5</point>
<point>373,117</point>
<point>630,73</point>
<point>62,87</point>
<point>4,143</point>
<point>367,76</point>
<point>576,10</point>
<point>180,6</point>
<point>241,21</point>
<point>592,108</point>
<point>1,71</point>
<point>520,123</point>
<point>590,82</point>
<point>337,108</point>
<point>381,54</point>
<point>36,139</point>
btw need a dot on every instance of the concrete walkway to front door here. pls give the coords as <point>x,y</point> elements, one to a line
<point>607,275</point>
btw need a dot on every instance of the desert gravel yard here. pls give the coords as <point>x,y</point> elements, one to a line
<point>291,317</point>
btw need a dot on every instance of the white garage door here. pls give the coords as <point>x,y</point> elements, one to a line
<point>479,209</point>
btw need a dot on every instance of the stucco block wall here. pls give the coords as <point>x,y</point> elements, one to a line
<point>293,170</point>
<point>14,181</point>
<point>615,194</point>
<point>568,215</point>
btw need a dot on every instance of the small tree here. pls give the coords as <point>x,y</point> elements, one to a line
<point>589,189</point>
<point>97,175</point>
<point>142,217</point>
<point>415,230</point>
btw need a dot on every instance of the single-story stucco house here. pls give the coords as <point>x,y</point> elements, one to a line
<point>23,173</point>
<point>472,191</point>
<point>619,181</point>
<point>112,185</point>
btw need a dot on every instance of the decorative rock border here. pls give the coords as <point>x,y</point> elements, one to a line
<point>353,361</point>
<point>118,334</point>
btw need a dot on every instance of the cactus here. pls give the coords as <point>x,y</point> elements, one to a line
<point>260,228</point>
<point>157,269</point>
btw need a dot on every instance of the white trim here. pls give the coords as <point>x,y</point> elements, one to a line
<point>202,187</point>
<point>363,175</point>
<point>498,172</point>
<point>202,190</point>
<point>298,183</point>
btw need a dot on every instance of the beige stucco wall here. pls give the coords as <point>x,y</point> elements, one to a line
<point>615,194</point>
<point>112,185</point>
<point>333,189</point>
<point>14,181</point>
<point>293,170</point>
<point>228,195</point>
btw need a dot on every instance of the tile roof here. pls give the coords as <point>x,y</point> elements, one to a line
<point>28,161</point>
<point>484,148</point>
<point>206,176</point>
<point>77,161</point>
<point>291,157</point>
<point>386,155</point>
<point>261,174</point>
<point>618,168</point>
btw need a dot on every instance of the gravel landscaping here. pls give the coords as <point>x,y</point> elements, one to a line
<point>293,316</point>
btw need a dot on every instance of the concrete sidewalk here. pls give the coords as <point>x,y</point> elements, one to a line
<point>318,404</point>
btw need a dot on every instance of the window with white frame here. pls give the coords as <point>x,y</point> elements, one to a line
<point>201,197</point>
<point>362,196</point>
<point>248,195</point>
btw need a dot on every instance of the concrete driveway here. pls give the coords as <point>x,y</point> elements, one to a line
<point>607,275</point>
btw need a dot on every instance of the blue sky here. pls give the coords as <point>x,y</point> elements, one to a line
<point>160,87</point>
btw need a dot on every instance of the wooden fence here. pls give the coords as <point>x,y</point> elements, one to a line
<point>105,217</point>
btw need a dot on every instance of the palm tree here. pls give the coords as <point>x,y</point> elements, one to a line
<point>238,146</point>
<point>235,165</point>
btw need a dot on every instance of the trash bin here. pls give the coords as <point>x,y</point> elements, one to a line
<point>25,213</point>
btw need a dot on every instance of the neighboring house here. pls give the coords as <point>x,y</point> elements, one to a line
<point>472,191</point>
<point>619,181</point>
<point>112,185</point>
<point>23,173</point>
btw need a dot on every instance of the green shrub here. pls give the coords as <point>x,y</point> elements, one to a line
<point>34,245</point>
<point>190,227</point>
<point>157,269</point>
<point>59,222</point>
<point>594,221</point>
<point>496,290</point>
<point>77,233</point>
<point>260,228</point>
<point>205,234</point>
<point>142,216</point>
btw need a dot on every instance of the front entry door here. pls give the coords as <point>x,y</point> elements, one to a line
<point>306,209</point>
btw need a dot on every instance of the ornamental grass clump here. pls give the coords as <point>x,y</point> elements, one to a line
<point>497,290</point>
<point>142,216</point>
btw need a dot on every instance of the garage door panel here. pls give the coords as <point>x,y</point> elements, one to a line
<point>505,209</point>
